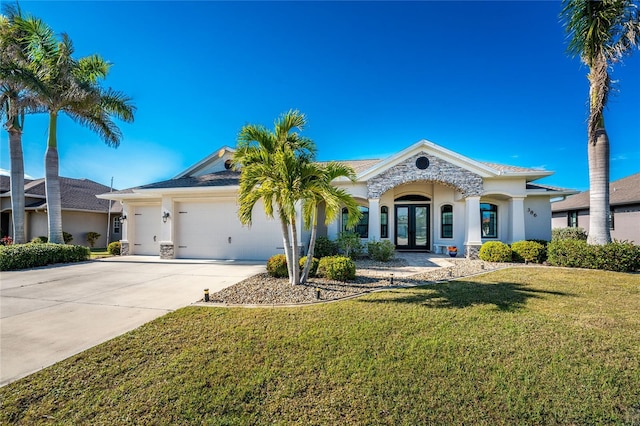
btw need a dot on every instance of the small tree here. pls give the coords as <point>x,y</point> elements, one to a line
<point>92,237</point>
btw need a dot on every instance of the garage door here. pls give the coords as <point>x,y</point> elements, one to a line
<point>212,231</point>
<point>146,234</point>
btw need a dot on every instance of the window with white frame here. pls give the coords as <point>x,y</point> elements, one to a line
<point>489,220</point>
<point>117,222</point>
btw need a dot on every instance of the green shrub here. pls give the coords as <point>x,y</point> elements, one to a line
<point>495,251</point>
<point>325,247</point>
<point>350,244</point>
<point>92,237</point>
<point>39,240</point>
<point>114,248</point>
<point>338,268</point>
<point>620,256</point>
<point>23,256</point>
<point>528,251</point>
<point>67,237</point>
<point>382,251</point>
<point>568,234</point>
<point>314,265</point>
<point>277,266</point>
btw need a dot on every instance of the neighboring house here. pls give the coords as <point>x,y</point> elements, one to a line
<point>624,201</point>
<point>423,198</point>
<point>82,211</point>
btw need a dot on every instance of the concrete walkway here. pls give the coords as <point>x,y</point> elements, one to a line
<point>48,314</point>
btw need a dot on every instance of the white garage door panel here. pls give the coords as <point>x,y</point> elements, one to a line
<point>146,230</point>
<point>213,231</point>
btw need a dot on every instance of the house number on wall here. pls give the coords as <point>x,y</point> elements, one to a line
<point>531,212</point>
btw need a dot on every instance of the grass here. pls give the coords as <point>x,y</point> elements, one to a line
<point>97,253</point>
<point>516,346</point>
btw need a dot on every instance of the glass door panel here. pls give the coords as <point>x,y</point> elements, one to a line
<point>402,226</point>
<point>420,219</point>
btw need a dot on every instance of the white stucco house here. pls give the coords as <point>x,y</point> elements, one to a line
<point>422,198</point>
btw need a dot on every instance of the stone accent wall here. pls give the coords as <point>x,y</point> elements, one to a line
<point>124,248</point>
<point>439,171</point>
<point>166,251</point>
<point>471,252</point>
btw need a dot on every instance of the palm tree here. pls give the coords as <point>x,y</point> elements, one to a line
<point>71,86</point>
<point>601,33</point>
<point>15,100</point>
<point>270,163</point>
<point>318,189</point>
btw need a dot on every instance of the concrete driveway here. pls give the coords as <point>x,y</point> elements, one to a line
<point>48,314</point>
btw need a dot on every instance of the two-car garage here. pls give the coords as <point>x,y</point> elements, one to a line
<point>205,230</point>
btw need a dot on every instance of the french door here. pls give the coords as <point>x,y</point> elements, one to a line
<point>412,226</point>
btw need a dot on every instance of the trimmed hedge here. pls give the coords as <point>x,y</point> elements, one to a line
<point>315,262</point>
<point>528,251</point>
<point>325,247</point>
<point>114,248</point>
<point>568,234</point>
<point>338,268</point>
<point>617,256</point>
<point>277,266</point>
<point>24,256</point>
<point>495,251</point>
<point>382,251</point>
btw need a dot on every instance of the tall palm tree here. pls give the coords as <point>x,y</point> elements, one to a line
<point>16,78</point>
<point>72,86</point>
<point>318,189</point>
<point>601,33</point>
<point>270,163</point>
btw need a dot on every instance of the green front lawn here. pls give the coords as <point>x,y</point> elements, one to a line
<point>97,253</point>
<point>516,346</point>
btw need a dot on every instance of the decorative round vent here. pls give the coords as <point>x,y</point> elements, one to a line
<point>228,164</point>
<point>422,163</point>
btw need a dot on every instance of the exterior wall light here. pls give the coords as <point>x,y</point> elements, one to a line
<point>123,218</point>
<point>165,216</point>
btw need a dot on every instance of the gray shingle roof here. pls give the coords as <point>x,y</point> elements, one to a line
<point>622,191</point>
<point>75,194</point>
<point>223,178</point>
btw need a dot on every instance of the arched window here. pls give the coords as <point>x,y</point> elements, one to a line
<point>362,228</point>
<point>489,220</point>
<point>446,221</point>
<point>384,222</point>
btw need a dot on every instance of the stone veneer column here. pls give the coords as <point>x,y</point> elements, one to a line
<point>517,219</point>
<point>472,234</point>
<point>166,250</point>
<point>374,219</point>
<point>124,248</point>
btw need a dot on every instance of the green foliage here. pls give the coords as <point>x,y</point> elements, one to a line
<point>40,240</point>
<point>314,265</point>
<point>67,237</point>
<point>528,251</point>
<point>338,268</point>
<point>23,256</point>
<point>114,248</point>
<point>277,266</point>
<point>350,245</point>
<point>325,247</point>
<point>568,234</point>
<point>616,256</point>
<point>382,251</point>
<point>495,251</point>
<point>92,237</point>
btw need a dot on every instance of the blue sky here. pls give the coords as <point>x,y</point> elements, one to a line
<point>489,80</point>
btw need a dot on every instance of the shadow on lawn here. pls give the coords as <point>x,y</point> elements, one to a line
<point>462,294</point>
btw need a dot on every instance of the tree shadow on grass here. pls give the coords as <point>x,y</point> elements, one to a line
<point>462,294</point>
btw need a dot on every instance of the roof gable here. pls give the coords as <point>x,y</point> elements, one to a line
<point>217,161</point>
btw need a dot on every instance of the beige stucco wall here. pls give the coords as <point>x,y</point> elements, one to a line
<point>75,223</point>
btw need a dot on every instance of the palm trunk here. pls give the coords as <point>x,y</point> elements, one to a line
<point>295,258</point>
<point>599,230</point>
<point>17,183</point>
<point>312,244</point>
<point>52,184</point>
<point>286,240</point>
